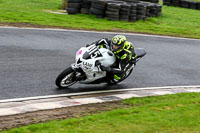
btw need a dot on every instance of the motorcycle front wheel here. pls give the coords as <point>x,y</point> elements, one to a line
<point>66,78</point>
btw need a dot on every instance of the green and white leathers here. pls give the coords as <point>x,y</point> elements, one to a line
<point>123,50</point>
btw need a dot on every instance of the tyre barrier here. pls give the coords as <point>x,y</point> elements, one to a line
<point>152,1</point>
<point>183,3</point>
<point>115,10</point>
<point>73,6</point>
<point>85,6</point>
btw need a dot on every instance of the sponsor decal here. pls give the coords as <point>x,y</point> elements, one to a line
<point>87,64</point>
<point>79,52</point>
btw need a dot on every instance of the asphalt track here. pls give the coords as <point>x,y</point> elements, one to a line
<point>31,59</point>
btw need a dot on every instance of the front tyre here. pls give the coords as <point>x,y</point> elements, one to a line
<point>66,78</point>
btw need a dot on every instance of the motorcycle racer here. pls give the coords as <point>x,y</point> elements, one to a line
<point>110,61</point>
<point>124,52</point>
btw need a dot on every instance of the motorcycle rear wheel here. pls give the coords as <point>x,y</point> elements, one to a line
<point>66,78</point>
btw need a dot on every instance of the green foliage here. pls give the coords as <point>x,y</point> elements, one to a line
<point>174,21</point>
<point>162,114</point>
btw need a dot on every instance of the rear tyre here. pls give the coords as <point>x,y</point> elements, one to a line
<point>66,78</point>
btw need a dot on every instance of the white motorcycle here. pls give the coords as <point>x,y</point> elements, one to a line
<point>86,71</point>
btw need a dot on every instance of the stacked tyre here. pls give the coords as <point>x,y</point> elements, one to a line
<point>98,8</point>
<point>141,11</point>
<point>184,3</point>
<point>125,12</point>
<point>153,10</point>
<point>176,2</point>
<point>85,6</point>
<point>159,9</point>
<point>167,2</point>
<point>133,13</point>
<point>132,1</point>
<point>198,5</point>
<point>154,1</point>
<point>74,6</point>
<point>112,11</point>
<point>193,5</point>
<point>148,9</point>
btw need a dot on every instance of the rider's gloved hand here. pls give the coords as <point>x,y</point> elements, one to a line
<point>87,45</point>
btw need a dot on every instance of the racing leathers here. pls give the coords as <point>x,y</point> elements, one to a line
<point>124,58</point>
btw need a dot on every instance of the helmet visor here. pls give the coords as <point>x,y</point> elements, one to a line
<point>115,47</point>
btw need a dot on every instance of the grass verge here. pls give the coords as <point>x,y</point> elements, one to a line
<point>163,114</point>
<point>174,21</point>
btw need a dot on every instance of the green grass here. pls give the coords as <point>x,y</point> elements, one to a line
<point>195,0</point>
<point>174,21</point>
<point>178,113</point>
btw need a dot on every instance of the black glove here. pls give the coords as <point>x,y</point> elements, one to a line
<point>87,45</point>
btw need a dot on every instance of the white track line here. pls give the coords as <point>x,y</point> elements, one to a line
<point>102,32</point>
<point>92,92</point>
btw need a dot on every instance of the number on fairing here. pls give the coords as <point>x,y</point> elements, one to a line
<point>94,52</point>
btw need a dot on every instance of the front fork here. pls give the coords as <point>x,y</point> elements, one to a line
<point>80,75</point>
<point>74,67</point>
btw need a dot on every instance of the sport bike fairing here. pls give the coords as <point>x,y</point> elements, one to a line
<point>86,58</point>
